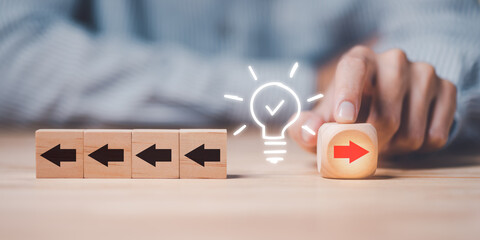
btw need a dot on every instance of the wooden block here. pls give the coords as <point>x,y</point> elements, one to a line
<point>108,153</point>
<point>347,150</point>
<point>155,154</point>
<point>59,153</point>
<point>203,153</point>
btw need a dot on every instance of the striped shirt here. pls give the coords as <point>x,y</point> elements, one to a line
<point>170,62</point>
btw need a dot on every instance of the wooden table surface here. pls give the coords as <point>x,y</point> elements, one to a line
<point>435,197</point>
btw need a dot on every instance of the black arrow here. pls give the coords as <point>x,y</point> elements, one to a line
<point>104,155</point>
<point>57,155</point>
<point>152,155</point>
<point>201,155</point>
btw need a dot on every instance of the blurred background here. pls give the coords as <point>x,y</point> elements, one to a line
<point>149,63</point>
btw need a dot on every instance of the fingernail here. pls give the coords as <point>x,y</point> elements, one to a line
<point>307,137</point>
<point>346,112</point>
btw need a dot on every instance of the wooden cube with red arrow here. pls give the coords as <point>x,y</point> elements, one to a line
<point>347,150</point>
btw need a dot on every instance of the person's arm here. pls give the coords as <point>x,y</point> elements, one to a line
<point>53,70</point>
<point>405,87</point>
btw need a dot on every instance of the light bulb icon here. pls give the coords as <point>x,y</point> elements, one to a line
<point>254,109</point>
<point>267,105</point>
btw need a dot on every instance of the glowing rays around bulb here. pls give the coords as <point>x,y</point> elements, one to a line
<point>252,73</point>
<point>233,97</point>
<point>238,131</point>
<point>293,70</point>
<point>316,97</point>
<point>278,141</point>
<point>308,129</point>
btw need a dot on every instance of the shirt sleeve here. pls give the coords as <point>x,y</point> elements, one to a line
<point>445,34</point>
<point>55,71</point>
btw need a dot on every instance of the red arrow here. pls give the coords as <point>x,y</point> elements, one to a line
<point>352,151</point>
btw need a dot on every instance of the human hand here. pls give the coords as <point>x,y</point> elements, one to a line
<point>409,105</point>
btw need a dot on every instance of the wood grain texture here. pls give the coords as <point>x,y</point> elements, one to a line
<point>333,135</point>
<point>434,196</point>
<point>191,139</point>
<point>143,139</point>
<point>116,140</point>
<point>48,139</point>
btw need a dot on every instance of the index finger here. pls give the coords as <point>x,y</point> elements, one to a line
<point>352,79</point>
